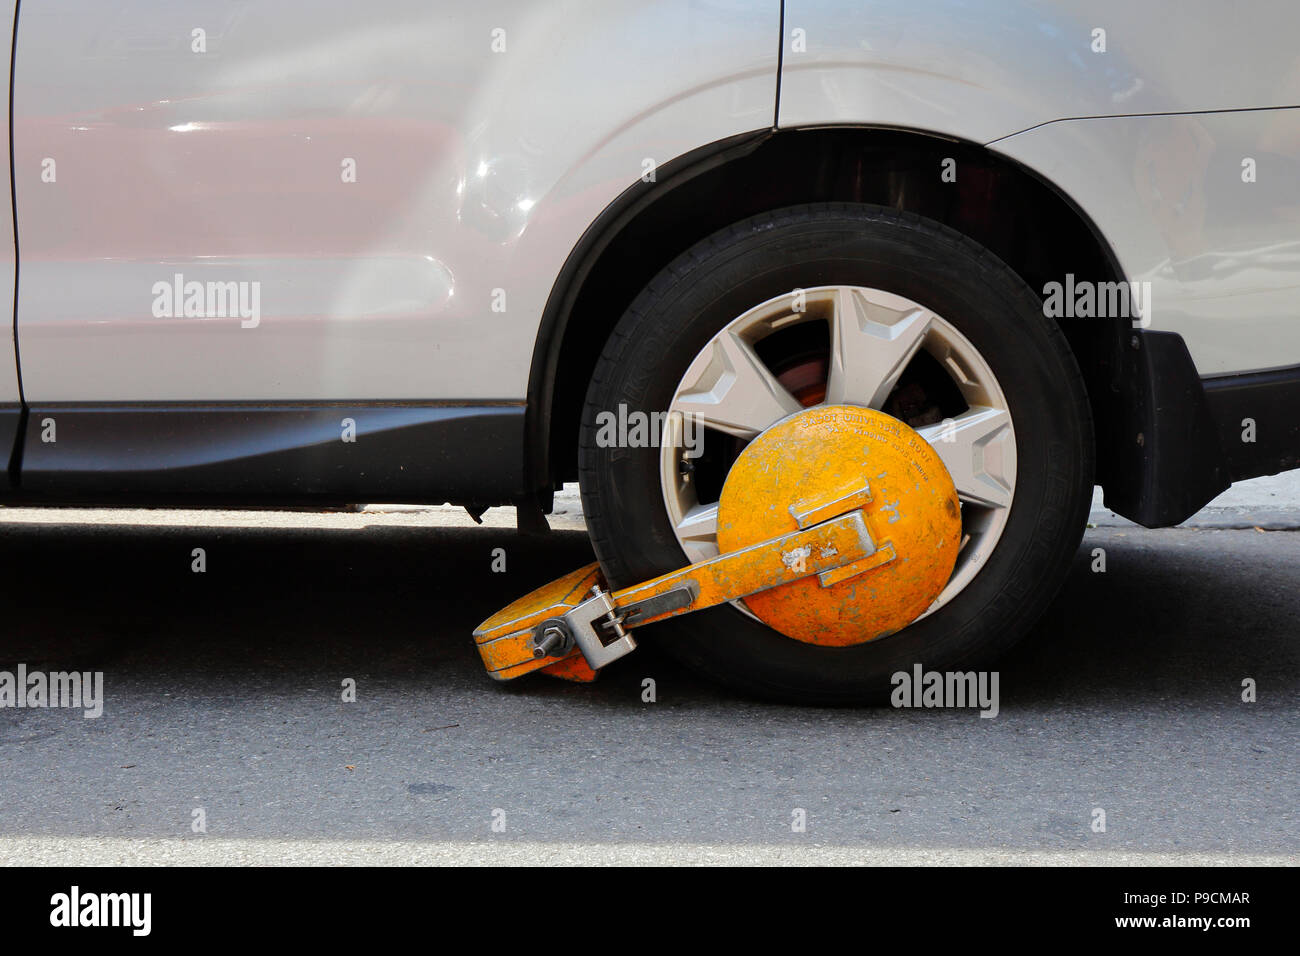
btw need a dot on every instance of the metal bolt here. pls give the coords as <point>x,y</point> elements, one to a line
<point>553,639</point>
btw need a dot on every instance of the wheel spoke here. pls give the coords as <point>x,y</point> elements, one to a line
<point>871,344</point>
<point>978,449</point>
<point>698,532</point>
<point>729,388</point>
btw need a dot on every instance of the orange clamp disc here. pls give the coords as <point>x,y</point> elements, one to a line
<point>813,464</point>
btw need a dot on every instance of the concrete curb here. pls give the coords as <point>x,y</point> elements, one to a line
<point>1217,519</point>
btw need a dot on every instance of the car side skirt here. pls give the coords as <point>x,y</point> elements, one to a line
<point>1258,419</point>
<point>280,453</point>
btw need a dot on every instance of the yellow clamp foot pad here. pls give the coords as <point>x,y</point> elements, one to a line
<point>505,640</point>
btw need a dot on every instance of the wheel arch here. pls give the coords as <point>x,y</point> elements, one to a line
<point>1030,224</point>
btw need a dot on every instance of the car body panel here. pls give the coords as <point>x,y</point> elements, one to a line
<point>480,156</point>
<point>980,71</point>
<point>1221,251</point>
<point>1166,192</point>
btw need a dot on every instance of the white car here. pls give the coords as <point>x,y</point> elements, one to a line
<point>310,251</point>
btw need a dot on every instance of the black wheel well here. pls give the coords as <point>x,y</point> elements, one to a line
<point>998,203</point>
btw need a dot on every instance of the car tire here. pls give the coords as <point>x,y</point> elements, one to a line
<point>695,297</point>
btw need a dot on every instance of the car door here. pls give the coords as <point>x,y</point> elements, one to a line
<point>228,201</point>
<point>257,234</point>
<point>10,392</point>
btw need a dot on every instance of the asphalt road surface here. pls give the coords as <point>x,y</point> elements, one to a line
<point>223,694</point>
